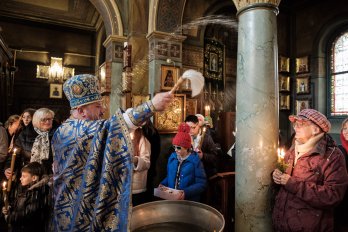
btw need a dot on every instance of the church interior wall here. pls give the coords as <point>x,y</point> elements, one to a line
<point>35,43</point>
<point>138,28</point>
<point>311,22</point>
<point>299,26</point>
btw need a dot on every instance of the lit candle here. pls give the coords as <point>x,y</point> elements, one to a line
<point>282,166</point>
<point>202,137</point>
<point>12,169</point>
<point>4,191</point>
<point>207,110</point>
<point>281,155</point>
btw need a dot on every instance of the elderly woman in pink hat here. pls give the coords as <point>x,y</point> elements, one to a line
<point>315,179</point>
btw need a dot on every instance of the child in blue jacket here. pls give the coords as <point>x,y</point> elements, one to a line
<point>184,169</point>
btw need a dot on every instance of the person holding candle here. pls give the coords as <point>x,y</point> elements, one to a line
<point>13,128</point>
<point>207,149</point>
<point>341,212</point>
<point>35,139</point>
<point>3,203</point>
<point>3,150</point>
<point>31,210</point>
<point>315,179</point>
<point>92,166</point>
<point>185,171</point>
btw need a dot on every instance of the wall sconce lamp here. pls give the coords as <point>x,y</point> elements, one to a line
<point>169,61</point>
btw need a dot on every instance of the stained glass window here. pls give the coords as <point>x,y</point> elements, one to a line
<point>339,76</point>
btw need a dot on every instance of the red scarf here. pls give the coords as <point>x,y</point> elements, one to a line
<point>344,142</point>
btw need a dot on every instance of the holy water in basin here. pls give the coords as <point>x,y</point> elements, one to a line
<point>171,227</point>
<point>170,216</point>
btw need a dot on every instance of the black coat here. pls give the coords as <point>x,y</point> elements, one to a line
<point>24,143</point>
<point>31,210</point>
<point>210,155</point>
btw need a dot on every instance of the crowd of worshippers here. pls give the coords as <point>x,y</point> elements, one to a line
<point>26,170</point>
<point>26,160</point>
<point>83,174</point>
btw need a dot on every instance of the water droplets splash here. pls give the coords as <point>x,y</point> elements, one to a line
<point>140,67</point>
<point>226,21</point>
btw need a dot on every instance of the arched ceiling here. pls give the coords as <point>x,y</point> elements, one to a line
<point>210,19</point>
<point>69,13</point>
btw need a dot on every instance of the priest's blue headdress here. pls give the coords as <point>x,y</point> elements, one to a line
<point>82,90</point>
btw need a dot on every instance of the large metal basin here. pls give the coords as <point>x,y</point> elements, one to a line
<point>168,216</point>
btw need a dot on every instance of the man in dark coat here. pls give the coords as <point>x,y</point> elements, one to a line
<point>206,149</point>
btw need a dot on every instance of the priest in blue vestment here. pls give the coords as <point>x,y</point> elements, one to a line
<point>92,165</point>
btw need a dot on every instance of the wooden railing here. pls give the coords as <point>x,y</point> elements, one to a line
<point>220,195</point>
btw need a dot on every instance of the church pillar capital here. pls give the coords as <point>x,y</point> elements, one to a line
<point>164,45</point>
<point>242,4</point>
<point>114,48</point>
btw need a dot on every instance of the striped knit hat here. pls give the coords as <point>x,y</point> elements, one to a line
<point>314,116</point>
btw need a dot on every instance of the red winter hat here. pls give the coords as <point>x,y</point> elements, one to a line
<point>314,116</point>
<point>183,137</point>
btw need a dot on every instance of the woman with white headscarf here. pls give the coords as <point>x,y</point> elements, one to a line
<point>41,151</point>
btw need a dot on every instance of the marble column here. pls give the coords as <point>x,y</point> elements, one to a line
<point>114,55</point>
<point>256,115</point>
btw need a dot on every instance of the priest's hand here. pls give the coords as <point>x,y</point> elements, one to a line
<point>182,196</point>
<point>161,100</point>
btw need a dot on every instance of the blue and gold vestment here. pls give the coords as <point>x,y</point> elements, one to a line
<point>93,172</point>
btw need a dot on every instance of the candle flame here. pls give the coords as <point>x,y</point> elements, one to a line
<point>282,153</point>
<point>207,110</point>
<point>14,150</point>
<point>4,184</point>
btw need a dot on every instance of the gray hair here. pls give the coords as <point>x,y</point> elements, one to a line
<point>40,114</point>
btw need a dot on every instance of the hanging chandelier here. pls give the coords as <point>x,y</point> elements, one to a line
<point>54,73</point>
